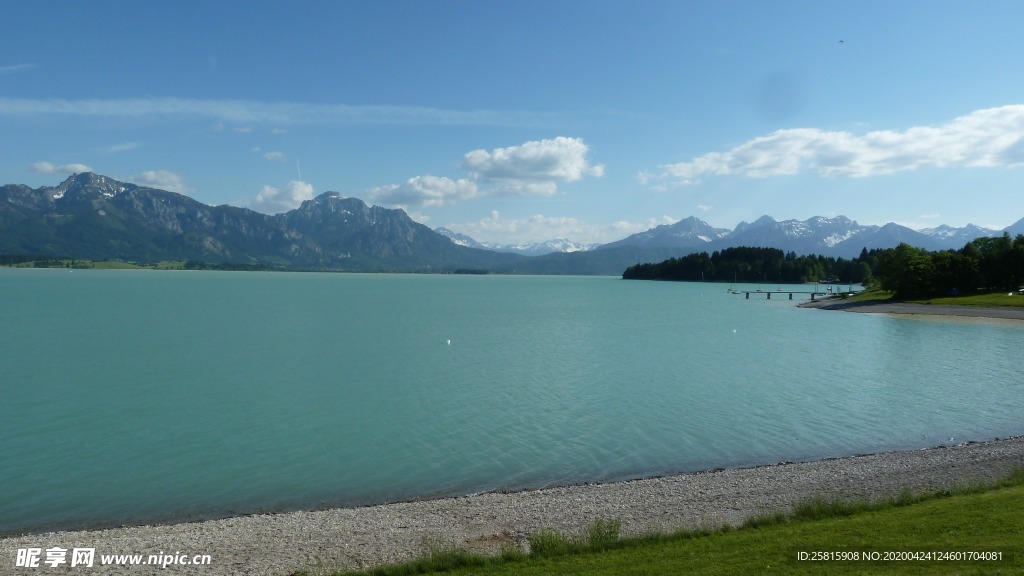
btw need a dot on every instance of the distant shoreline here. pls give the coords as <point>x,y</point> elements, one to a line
<point>912,309</point>
<point>279,544</point>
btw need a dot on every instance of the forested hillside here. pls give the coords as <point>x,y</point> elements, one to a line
<point>757,265</point>
<point>983,264</point>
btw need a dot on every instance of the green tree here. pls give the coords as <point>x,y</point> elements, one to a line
<point>906,271</point>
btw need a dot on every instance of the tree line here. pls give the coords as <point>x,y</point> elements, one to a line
<point>983,264</point>
<point>744,264</point>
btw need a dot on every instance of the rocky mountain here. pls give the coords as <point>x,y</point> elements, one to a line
<point>838,236</point>
<point>95,217</point>
<point>525,249</point>
<point>92,216</point>
<point>687,233</point>
<point>813,236</point>
<point>955,238</point>
<point>1015,228</point>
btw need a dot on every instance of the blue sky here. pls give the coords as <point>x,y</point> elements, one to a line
<point>529,120</point>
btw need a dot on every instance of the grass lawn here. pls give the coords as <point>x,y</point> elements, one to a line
<point>990,520</point>
<point>992,299</point>
<point>869,296</point>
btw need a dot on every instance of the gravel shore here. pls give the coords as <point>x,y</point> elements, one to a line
<point>909,308</point>
<point>278,544</point>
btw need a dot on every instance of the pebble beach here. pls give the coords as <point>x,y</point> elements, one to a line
<point>280,544</point>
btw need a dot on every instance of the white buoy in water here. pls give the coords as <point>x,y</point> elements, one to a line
<point>449,341</point>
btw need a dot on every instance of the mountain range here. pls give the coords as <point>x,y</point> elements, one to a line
<point>89,216</point>
<point>526,248</point>
<point>838,236</point>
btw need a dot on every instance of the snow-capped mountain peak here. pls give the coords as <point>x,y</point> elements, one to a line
<point>524,248</point>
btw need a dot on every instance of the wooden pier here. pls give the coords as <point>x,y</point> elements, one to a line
<point>812,293</point>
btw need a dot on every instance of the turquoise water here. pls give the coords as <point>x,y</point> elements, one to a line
<point>139,396</point>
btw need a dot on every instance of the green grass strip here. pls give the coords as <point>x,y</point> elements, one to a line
<point>990,299</point>
<point>994,299</point>
<point>980,518</point>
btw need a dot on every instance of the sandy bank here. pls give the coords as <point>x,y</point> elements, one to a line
<point>282,543</point>
<point>884,307</point>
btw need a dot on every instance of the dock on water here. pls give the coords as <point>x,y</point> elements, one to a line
<point>812,293</point>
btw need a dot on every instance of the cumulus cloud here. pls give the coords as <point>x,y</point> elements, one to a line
<point>987,138</point>
<point>535,167</point>
<point>273,200</point>
<point>50,168</point>
<point>499,229</point>
<point>425,191</point>
<point>162,180</point>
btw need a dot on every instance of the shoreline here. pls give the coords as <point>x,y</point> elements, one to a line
<point>912,309</point>
<point>368,536</point>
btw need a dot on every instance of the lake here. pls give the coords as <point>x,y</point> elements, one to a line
<point>145,396</point>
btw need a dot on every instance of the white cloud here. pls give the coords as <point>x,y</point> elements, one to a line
<point>425,191</point>
<point>538,228</point>
<point>987,138</point>
<point>419,217</point>
<point>277,114</point>
<point>703,207</point>
<point>535,167</point>
<point>122,147</point>
<point>272,200</point>
<point>643,177</point>
<point>50,168</point>
<point>162,180</point>
<point>16,68</point>
<point>269,154</point>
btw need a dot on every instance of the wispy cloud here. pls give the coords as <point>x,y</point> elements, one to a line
<point>16,68</point>
<point>533,168</point>
<point>502,230</point>
<point>50,168</point>
<point>269,154</point>
<point>249,112</point>
<point>122,147</point>
<point>162,180</point>
<point>987,138</point>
